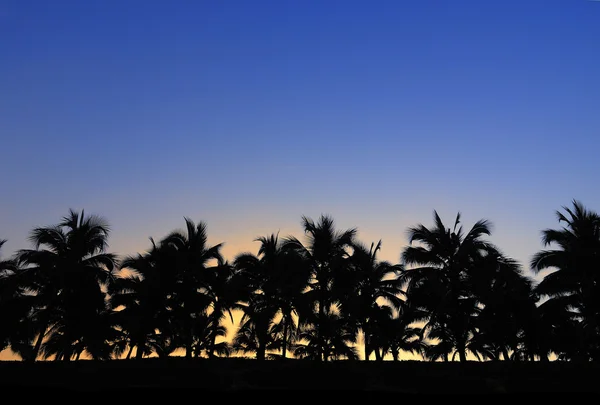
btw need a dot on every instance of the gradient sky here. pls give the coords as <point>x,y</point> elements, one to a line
<point>249,114</point>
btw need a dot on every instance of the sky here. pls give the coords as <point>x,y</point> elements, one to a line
<point>249,114</point>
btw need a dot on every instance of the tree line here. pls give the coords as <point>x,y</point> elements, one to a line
<point>453,294</point>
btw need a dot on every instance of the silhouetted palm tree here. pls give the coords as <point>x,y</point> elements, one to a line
<point>368,283</point>
<point>207,329</point>
<point>326,254</point>
<point>67,270</point>
<point>397,335</point>
<point>442,285</point>
<point>274,282</point>
<point>15,304</point>
<point>142,298</point>
<point>194,286</point>
<point>573,287</point>
<point>334,339</point>
<point>255,333</point>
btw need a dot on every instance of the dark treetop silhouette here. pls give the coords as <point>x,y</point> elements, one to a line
<point>453,295</point>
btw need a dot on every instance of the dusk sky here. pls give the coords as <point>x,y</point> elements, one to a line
<point>249,114</point>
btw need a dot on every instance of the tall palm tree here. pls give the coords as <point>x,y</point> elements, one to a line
<point>68,271</point>
<point>370,282</point>
<point>326,253</point>
<point>573,287</point>
<point>441,284</point>
<point>195,282</point>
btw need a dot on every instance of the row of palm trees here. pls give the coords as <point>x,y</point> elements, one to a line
<point>454,295</point>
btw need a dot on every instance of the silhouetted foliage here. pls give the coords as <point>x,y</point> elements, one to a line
<point>67,271</point>
<point>573,287</point>
<point>454,293</point>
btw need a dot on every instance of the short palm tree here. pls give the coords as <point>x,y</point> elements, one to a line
<point>273,282</point>
<point>141,298</point>
<point>369,283</point>
<point>334,339</point>
<point>15,326</point>
<point>505,298</point>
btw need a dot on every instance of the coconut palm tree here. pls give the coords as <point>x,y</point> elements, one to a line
<point>195,281</point>
<point>368,283</point>
<point>220,294</point>
<point>397,336</point>
<point>505,295</point>
<point>255,333</point>
<point>206,333</point>
<point>326,254</point>
<point>333,339</point>
<point>274,282</point>
<point>68,270</point>
<point>441,285</point>
<point>141,297</point>
<point>573,287</point>
<point>15,327</point>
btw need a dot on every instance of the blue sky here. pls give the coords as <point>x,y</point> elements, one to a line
<point>249,114</point>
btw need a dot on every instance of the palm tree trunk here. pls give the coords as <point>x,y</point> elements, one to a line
<point>505,354</point>
<point>366,338</point>
<point>139,353</point>
<point>188,337</point>
<point>213,334</point>
<point>260,352</point>
<point>377,354</point>
<point>140,343</point>
<point>129,352</point>
<point>321,317</point>
<point>40,338</point>
<point>285,332</point>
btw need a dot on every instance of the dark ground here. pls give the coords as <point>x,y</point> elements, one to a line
<point>175,377</point>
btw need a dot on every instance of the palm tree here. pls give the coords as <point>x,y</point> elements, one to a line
<point>333,337</point>
<point>505,296</point>
<point>207,328</point>
<point>15,328</point>
<point>8,292</point>
<point>326,255</point>
<point>397,335</point>
<point>273,284</point>
<point>573,288</point>
<point>255,333</point>
<point>217,288</point>
<point>369,282</point>
<point>141,297</point>
<point>68,270</point>
<point>441,286</point>
<point>195,282</point>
